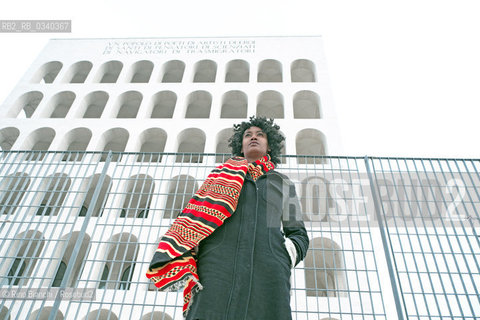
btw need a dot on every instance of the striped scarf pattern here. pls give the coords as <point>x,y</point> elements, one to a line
<point>173,265</point>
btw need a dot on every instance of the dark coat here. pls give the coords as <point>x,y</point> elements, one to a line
<point>243,265</point>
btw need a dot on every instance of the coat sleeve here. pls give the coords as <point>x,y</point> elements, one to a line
<point>293,226</point>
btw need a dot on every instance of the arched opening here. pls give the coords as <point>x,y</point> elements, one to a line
<point>199,104</point>
<point>60,104</point>
<point>114,140</point>
<point>65,247</point>
<point>163,104</point>
<point>8,136</point>
<point>191,143</point>
<point>141,72</point>
<point>311,146</point>
<point>5,313</point>
<point>12,190</point>
<point>222,145</point>
<point>22,256</point>
<point>93,104</point>
<point>180,189</point>
<point>173,71</point>
<point>237,71</point>
<point>139,191</point>
<point>109,72</point>
<point>78,72</point>
<point>88,187</point>
<point>76,142</point>
<point>324,268</point>
<point>270,71</point>
<point>205,71</point>
<point>120,262</point>
<point>152,142</point>
<point>270,105</point>
<point>101,314</point>
<point>302,70</point>
<point>44,314</point>
<point>48,72</point>
<point>306,105</point>
<point>28,103</point>
<point>157,315</point>
<point>39,140</point>
<point>234,105</point>
<point>51,194</point>
<point>128,104</point>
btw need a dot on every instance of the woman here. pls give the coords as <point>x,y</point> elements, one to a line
<point>244,263</point>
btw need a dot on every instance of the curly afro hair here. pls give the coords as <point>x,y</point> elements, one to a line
<point>272,130</point>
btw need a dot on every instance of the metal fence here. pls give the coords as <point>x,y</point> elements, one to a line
<point>390,238</point>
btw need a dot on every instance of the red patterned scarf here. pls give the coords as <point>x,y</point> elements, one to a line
<point>174,265</point>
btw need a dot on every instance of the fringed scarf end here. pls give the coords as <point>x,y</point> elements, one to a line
<point>192,287</point>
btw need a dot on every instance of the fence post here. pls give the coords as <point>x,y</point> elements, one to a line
<point>382,227</point>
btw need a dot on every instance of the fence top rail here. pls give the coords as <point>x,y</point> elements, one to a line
<point>228,154</point>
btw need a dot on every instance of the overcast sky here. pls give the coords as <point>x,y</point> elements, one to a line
<point>405,75</point>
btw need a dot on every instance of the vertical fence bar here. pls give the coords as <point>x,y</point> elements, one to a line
<point>386,246</point>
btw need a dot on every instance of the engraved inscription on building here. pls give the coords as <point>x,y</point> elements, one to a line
<point>133,47</point>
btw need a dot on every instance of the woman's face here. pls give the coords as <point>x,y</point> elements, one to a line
<point>254,144</point>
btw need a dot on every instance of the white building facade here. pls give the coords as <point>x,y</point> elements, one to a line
<point>171,95</point>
